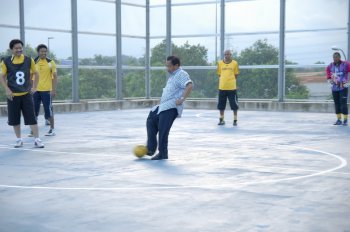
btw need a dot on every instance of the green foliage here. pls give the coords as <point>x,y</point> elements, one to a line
<point>252,83</point>
<point>262,83</point>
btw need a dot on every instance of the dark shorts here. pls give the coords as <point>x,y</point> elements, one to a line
<point>45,98</point>
<point>20,104</point>
<point>231,95</point>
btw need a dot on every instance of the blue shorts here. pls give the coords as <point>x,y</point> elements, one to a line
<point>45,98</point>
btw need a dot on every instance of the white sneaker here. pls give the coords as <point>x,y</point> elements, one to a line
<point>19,143</point>
<point>38,143</point>
<point>51,132</point>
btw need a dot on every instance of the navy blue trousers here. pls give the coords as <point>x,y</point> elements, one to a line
<point>340,101</point>
<point>159,124</point>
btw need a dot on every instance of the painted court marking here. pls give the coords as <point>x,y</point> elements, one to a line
<point>235,185</point>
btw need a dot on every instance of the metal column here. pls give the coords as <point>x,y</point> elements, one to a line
<point>75,60</point>
<point>21,22</point>
<point>168,28</point>
<point>119,71</point>
<point>222,29</point>
<point>147,55</point>
<point>281,67</point>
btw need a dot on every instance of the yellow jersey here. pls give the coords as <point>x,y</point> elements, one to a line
<point>46,69</point>
<point>227,75</point>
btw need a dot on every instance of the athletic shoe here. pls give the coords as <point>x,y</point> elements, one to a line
<point>221,122</point>
<point>38,143</point>
<point>19,143</point>
<point>338,122</point>
<point>30,134</point>
<point>235,122</point>
<point>47,122</point>
<point>159,157</point>
<point>345,123</point>
<point>51,132</point>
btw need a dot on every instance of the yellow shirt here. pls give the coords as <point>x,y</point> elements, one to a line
<point>46,71</point>
<point>18,60</point>
<point>227,75</point>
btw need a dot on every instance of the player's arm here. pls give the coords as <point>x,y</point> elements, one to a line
<point>35,76</point>
<point>54,79</point>
<point>187,92</point>
<point>54,84</point>
<point>3,81</point>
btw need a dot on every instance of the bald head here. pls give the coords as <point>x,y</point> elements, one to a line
<point>227,56</point>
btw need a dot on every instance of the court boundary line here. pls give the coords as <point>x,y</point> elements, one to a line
<point>342,164</point>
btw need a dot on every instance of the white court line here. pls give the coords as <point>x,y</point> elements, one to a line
<point>342,164</point>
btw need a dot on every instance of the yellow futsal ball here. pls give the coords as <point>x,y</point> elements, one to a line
<point>140,150</point>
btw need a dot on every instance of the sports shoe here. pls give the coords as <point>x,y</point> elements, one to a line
<point>30,134</point>
<point>51,132</point>
<point>47,122</point>
<point>235,122</point>
<point>345,123</point>
<point>38,143</point>
<point>19,143</point>
<point>221,122</point>
<point>159,157</point>
<point>338,122</point>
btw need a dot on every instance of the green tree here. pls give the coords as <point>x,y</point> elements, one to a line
<point>262,83</point>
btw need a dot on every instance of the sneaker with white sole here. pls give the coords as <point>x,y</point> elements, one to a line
<point>19,143</point>
<point>51,132</point>
<point>30,134</point>
<point>38,143</point>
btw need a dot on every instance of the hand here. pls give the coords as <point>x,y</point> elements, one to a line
<point>33,90</point>
<point>9,94</point>
<point>180,101</point>
<point>53,93</point>
<point>346,84</point>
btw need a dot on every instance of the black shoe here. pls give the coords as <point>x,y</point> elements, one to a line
<point>221,122</point>
<point>159,157</point>
<point>235,122</point>
<point>150,153</point>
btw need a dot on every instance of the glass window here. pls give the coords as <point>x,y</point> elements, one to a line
<point>48,14</point>
<point>94,16</point>
<point>9,12</point>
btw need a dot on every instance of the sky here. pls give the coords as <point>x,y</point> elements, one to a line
<point>242,19</point>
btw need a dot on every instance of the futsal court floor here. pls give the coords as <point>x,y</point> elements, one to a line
<point>273,172</point>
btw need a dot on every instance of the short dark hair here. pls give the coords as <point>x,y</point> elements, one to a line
<point>174,60</point>
<point>40,46</point>
<point>15,41</point>
<point>337,53</point>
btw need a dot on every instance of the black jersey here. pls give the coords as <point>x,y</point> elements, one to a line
<point>18,75</point>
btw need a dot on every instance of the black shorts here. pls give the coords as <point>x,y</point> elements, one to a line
<point>20,104</point>
<point>231,95</point>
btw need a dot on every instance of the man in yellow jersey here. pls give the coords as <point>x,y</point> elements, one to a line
<point>15,79</point>
<point>227,70</point>
<point>46,87</point>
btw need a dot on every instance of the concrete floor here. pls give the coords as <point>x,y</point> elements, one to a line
<point>274,172</point>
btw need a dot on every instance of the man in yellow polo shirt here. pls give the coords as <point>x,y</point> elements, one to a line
<point>15,78</point>
<point>46,87</point>
<point>227,70</point>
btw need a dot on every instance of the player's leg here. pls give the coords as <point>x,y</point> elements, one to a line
<point>344,105</point>
<point>336,99</point>
<point>30,119</point>
<point>222,100</point>
<point>166,119</point>
<point>47,104</point>
<point>152,131</point>
<point>14,118</point>
<point>233,99</point>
